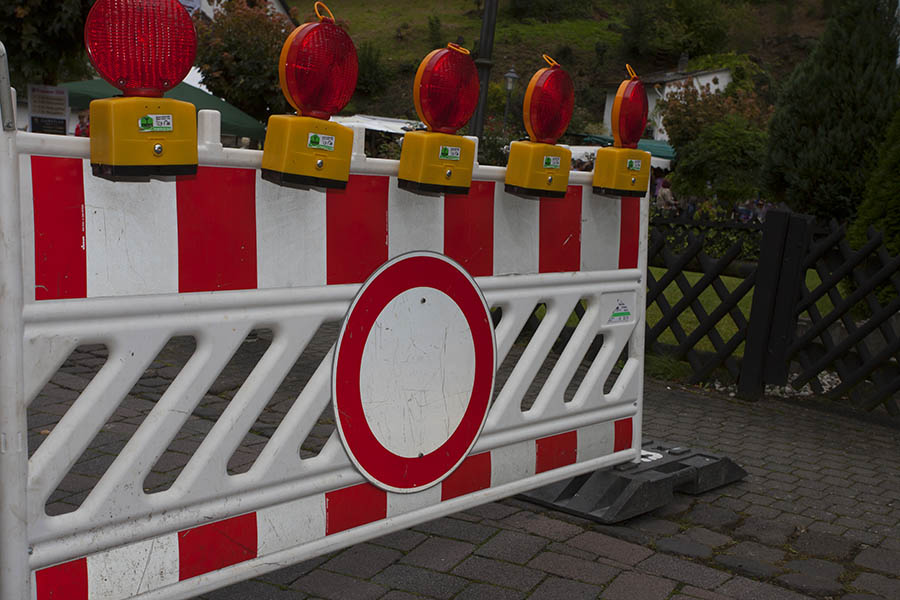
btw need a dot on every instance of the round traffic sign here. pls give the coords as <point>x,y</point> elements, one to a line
<point>413,371</point>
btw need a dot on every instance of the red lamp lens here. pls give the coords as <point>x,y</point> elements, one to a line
<point>448,90</point>
<point>551,105</point>
<point>142,47</point>
<point>319,70</point>
<point>632,113</point>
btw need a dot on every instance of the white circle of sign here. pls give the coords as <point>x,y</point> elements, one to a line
<point>413,371</point>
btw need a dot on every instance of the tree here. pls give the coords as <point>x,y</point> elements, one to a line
<point>880,207</point>
<point>673,27</point>
<point>725,160</point>
<point>688,109</point>
<point>45,40</point>
<point>237,53</point>
<point>834,110</point>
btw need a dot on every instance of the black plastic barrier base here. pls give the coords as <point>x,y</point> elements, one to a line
<point>626,491</point>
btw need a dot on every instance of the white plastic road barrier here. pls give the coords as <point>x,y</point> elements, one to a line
<point>132,264</point>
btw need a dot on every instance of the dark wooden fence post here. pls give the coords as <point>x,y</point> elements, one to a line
<point>751,382</point>
<point>772,320</point>
<point>784,318</point>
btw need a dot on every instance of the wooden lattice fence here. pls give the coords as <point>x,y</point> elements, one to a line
<point>781,303</point>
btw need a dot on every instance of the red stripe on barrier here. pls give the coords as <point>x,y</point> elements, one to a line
<point>66,581</point>
<point>356,229</point>
<point>560,232</point>
<point>353,506</point>
<point>469,228</point>
<point>217,230</point>
<point>473,474</point>
<point>629,232</point>
<point>60,259</point>
<point>556,451</point>
<point>624,433</point>
<point>216,545</point>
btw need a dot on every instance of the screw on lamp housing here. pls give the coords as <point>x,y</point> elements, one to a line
<point>445,94</point>
<point>317,70</point>
<point>143,48</point>
<point>538,167</point>
<point>622,169</point>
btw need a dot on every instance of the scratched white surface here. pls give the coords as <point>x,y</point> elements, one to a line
<point>129,570</point>
<point>417,372</point>
<point>131,235</point>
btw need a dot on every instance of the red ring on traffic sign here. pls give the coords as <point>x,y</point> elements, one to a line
<point>381,466</point>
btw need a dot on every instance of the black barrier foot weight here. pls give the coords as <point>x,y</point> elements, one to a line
<point>613,495</point>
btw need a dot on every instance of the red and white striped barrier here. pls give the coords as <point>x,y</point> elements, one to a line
<point>228,229</point>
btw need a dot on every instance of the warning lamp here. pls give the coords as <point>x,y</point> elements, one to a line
<point>622,169</point>
<point>143,48</point>
<point>538,167</point>
<point>445,93</point>
<point>317,69</point>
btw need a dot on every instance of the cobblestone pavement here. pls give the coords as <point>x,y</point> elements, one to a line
<point>818,516</point>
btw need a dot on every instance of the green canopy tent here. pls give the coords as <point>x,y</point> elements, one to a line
<point>657,148</point>
<point>234,121</point>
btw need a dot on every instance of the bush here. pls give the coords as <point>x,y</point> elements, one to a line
<point>435,37</point>
<point>373,76</point>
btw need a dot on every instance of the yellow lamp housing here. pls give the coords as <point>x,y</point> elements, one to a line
<point>139,137</point>
<point>537,170</point>
<point>434,163</point>
<point>439,161</point>
<point>306,151</point>
<point>621,171</point>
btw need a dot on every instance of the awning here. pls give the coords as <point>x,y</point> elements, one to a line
<point>234,121</point>
<point>657,148</point>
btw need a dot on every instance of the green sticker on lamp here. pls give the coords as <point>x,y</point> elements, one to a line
<point>551,162</point>
<point>319,141</point>
<point>150,123</point>
<point>450,152</point>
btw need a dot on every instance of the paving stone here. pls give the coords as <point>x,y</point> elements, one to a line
<point>810,584</point>
<point>816,568</point>
<point>609,547</point>
<point>512,546</point>
<point>362,560</point>
<point>683,570</point>
<point>742,588</point>
<point>747,566</point>
<point>676,507</point>
<point>335,586</point>
<point>494,510</point>
<point>655,526</point>
<point>290,574</point>
<point>554,588</point>
<point>879,559</point>
<point>860,597</point>
<point>258,590</point>
<point>767,531</point>
<point>756,551</point>
<point>457,529</point>
<point>482,591</point>
<point>543,526</point>
<point>440,554</point>
<point>712,516</point>
<point>569,550</point>
<point>707,537</point>
<point>497,572</point>
<point>695,592</point>
<point>403,540</point>
<point>626,533</point>
<point>878,584</point>
<point>420,581</point>
<point>573,568</point>
<point>399,595</point>
<point>632,585</point>
<point>823,545</point>
<point>683,545</point>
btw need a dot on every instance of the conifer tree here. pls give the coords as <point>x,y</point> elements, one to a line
<point>881,206</point>
<point>834,110</point>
